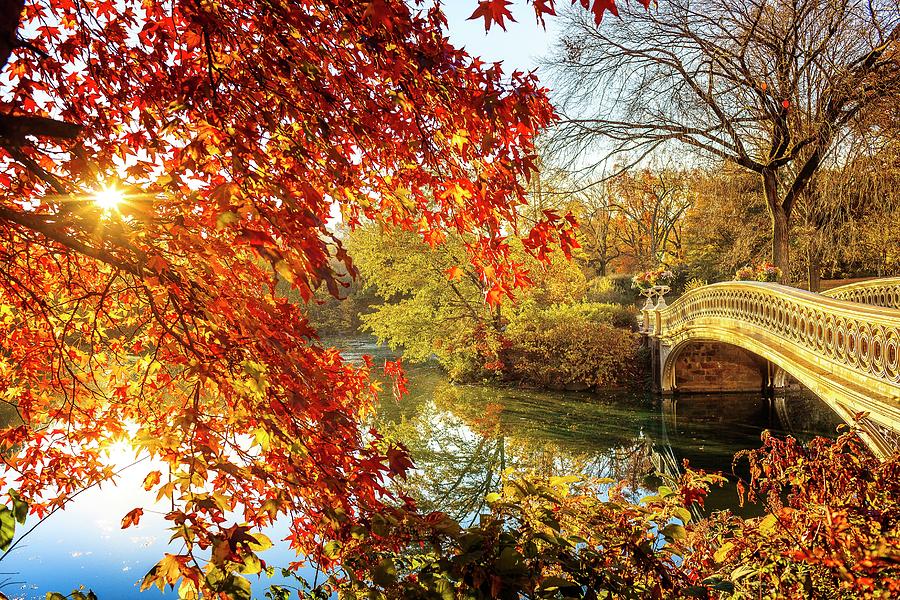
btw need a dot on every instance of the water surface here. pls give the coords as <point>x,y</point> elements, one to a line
<point>462,439</point>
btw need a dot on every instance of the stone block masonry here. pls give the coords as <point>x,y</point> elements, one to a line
<point>718,367</point>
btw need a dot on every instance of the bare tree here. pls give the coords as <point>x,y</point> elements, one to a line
<point>648,207</point>
<point>769,85</point>
<point>596,227</point>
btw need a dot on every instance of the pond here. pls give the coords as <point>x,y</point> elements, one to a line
<point>462,439</point>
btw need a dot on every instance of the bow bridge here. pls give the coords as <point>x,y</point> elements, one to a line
<point>843,345</point>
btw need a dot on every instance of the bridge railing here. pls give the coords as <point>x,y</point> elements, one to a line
<point>860,337</point>
<point>878,292</point>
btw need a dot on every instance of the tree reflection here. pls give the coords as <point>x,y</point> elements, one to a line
<point>464,437</point>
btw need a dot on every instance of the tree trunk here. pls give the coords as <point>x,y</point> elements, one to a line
<point>781,250</point>
<point>813,267</point>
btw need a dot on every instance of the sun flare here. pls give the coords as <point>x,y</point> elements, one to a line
<point>108,198</point>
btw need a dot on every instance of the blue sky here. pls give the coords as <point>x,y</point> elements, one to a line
<point>517,47</point>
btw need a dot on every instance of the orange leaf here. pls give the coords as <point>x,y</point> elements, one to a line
<point>494,295</point>
<point>151,480</point>
<point>453,273</point>
<point>132,518</point>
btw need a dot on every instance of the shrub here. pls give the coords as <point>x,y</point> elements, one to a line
<point>576,346</point>
<point>831,530</point>
<point>607,290</point>
<point>648,279</point>
<point>617,315</point>
<point>694,284</point>
<point>763,272</point>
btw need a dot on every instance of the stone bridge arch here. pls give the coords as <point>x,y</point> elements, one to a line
<point>707,365</point>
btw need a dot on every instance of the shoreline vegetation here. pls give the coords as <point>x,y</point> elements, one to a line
<point>563,329</point>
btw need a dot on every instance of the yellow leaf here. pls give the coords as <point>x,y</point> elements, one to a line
<point>460,139</point>
<point>722,553</point>
<point>285,271</point>
<point>262,542</point>
<point>768,523</point>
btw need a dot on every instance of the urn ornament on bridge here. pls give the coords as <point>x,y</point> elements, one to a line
<point>652,284</point>
<point>661,291</point>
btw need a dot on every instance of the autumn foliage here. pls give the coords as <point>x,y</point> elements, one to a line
<point>234,131</point>
<point>830,530</point>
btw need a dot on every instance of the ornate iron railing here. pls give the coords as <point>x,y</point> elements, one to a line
<point>860,337</point>
<point>877,292</point>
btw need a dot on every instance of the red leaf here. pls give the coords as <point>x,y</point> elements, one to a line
<point>544,7</point>
<point>601,6</point>
<point>399,461</point>
<point>493,11</point>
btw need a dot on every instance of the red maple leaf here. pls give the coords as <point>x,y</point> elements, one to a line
<point>544,7</point>
<point>493,11</point>
<point>601,6</point>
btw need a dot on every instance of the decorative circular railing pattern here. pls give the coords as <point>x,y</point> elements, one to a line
<point>877,292</point>
<point>862,338</point>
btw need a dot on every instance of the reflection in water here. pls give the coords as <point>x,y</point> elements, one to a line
<point>462,439</point>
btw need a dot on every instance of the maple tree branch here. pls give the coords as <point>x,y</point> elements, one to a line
<point>11,11</point>
<point>51,230</point>
<point>16,127</point>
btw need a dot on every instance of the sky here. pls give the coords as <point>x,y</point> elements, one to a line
<point>518,46</point>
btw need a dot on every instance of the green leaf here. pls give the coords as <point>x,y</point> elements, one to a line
<point>384,573</point>
<point>492,497</point>
<point>54,596</point>
<point>20,507</point>
<point>674,532</point>
<point>553,583</point>
<point>509,561</point>
<point>7,527</point>
<point>332,549</point>
<point>683,514</point>
<point>237,587</point>
<point>742,572</point>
